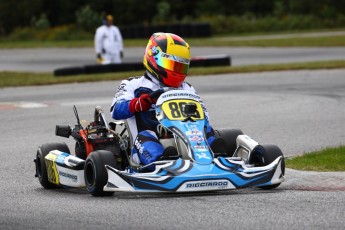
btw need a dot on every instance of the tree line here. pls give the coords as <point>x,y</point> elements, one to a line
<point>88,13</point>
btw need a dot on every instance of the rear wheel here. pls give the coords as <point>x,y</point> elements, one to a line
<point>264,155</point>
<point>229,136</point>
<point>96,176</point>
<point>41,168</point>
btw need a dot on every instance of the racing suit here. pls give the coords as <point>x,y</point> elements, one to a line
<point>143,125</point>
<point>108,44</point>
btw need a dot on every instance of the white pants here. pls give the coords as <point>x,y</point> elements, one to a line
<point>109,58</point>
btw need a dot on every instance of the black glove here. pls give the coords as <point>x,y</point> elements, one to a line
<point>121,54</point>
<point>99,58</point>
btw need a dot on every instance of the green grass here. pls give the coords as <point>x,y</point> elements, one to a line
<point>6,44</point>
<point>329,41</point>
<point>326,160</point>
<point>8,79</point>
<point>26,78</point>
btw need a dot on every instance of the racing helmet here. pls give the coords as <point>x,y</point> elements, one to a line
<point>167,58</point>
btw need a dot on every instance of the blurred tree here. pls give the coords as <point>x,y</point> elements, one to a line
<point>18,13</point>
<point>61,12</point>
<point>41,23</point>
<point>163,12</point>
<point>280,8</point>
<point>318,8</point>
<point>258,8</point>
<point>88,19</point>
<point>210,7</point>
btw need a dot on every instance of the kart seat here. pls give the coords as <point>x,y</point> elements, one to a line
<point>170,153</point>
<point>170,150</point>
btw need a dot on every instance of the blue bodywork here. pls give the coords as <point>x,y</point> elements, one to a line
<point>196,170</point>
<point>184,175</point>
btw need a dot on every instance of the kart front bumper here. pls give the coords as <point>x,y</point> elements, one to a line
<point>187,176</point>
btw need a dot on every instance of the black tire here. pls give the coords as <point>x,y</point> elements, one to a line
<point>229,136</point>
<point>264,155</point>
<point>95,173</point>
<point>41,169</point>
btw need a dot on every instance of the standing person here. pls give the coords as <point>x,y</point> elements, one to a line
<point>108,43</point>
<point>166,60</point>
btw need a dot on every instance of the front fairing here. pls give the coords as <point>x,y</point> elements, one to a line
<point>190,130</point>
<point>187,176</point>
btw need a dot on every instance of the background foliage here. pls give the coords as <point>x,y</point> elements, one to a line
<point>80,17</point>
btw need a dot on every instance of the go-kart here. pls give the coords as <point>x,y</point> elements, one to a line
<point>103,162</point>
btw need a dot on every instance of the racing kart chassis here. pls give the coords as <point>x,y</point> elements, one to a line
<point>103,163</point>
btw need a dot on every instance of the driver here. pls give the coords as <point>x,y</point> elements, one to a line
<point>166,60</point>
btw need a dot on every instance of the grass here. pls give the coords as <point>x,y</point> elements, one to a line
<point>326,160</point>
<point>8,79</point>
<point>6,44</point>
<point>27,78</point>
<point>329,41</point>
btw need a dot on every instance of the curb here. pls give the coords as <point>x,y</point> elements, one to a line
<point>313,181</point>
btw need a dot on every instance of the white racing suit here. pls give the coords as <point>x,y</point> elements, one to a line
<point>143,125</point>
<point>108,43</point>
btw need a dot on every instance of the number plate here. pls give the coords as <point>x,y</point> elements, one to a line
<point>173,109</point>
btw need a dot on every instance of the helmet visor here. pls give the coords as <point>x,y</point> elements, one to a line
<point>173,63</point>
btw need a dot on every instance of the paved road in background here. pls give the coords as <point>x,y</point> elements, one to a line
<point>47,60</point>
<point>298,110</point>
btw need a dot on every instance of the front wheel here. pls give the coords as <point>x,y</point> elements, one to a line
<point>40,163</point>
<point>229,136</point>
<point>95,173</point>
<point>264,155</point>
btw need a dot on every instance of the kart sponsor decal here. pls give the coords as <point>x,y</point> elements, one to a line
<point>202,155</point>
<point>193,132</point>
<point>52,172</point>
<point>207,184</point>
<point>69,176</point>
<point>183,94</point>
<point>196,138</point>
<point>201,148</point>
<point>204,185</point>
<point>194,125</point>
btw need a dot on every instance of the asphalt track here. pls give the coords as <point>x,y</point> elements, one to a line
<point>49,59</point>
<point>298,110</point>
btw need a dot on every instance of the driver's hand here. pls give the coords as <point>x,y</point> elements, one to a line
<point>141,104</point>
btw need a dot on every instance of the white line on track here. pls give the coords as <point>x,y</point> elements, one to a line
<point>22,104</point>
<point>38,105</point>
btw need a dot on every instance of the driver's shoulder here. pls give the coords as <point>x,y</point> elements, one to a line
<point>187,86</point>
<point>139,82</point>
